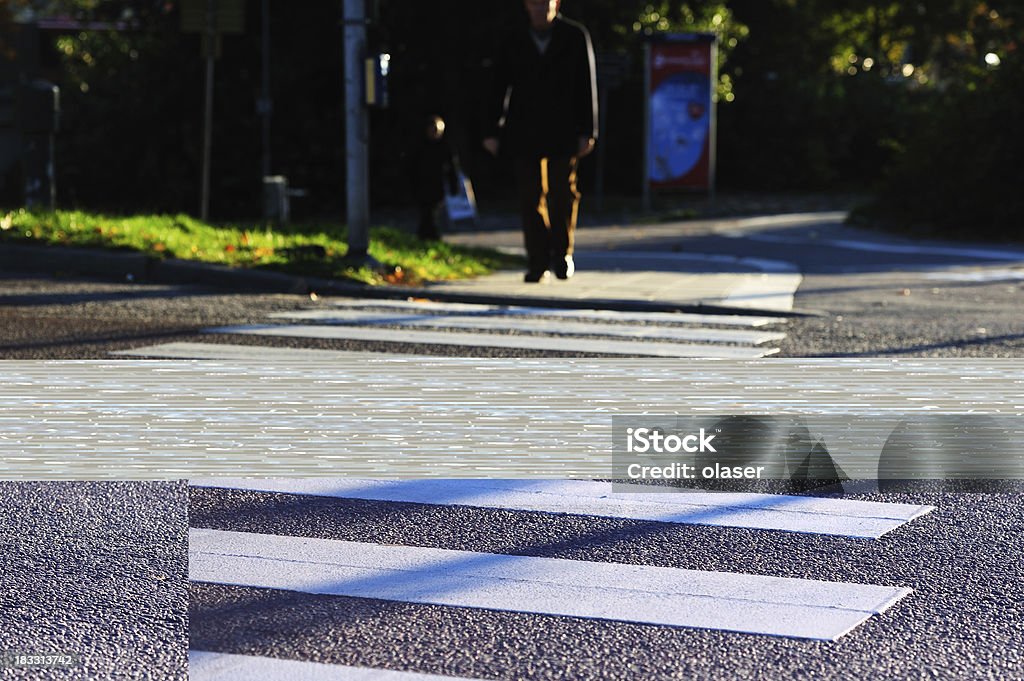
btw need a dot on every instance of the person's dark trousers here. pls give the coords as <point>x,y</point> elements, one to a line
<point>549,204</point>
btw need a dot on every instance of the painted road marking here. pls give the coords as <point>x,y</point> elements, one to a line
<point>496,310</point>
<point>756,604</point>
<point>766,291</point>
<point>985,276</point>
<point>561,344</point>
<point>1001,255</point>
<point>792,219</point>
<point>256,353</point>
<point>737,336</point>
<point>649,259</point>
<point>207,666</point>
<point>814,515</point>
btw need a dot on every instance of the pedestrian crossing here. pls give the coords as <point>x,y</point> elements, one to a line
<point>540,325</point>
<point>461,325</point>
<point>265,557</point>
<point>814,515</point>
<point>752,321</point>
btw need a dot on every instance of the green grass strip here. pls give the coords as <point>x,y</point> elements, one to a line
<point>314,250</point>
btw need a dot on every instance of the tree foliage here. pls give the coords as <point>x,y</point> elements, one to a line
<point>621,27</point>
<point>820,94</point>
<point>959,172</point>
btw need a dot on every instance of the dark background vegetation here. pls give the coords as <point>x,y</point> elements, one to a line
<point>891,98</point>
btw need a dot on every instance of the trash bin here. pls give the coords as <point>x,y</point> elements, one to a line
<point>276,206</point>
<point>277,199</point>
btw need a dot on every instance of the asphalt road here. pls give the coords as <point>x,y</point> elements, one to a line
<point>98,571</point>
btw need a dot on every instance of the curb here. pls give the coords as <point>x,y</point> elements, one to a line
<point>138,267</point>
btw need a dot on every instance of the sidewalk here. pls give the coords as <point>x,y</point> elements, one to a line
<point>683,280</point>
<point>638,264</point>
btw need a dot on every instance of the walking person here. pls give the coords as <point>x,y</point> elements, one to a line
<point>544,106</point>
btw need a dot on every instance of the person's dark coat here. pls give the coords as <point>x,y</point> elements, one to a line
<point>543,103</point>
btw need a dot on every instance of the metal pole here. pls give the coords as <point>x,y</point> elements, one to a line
<point>647,128</point>
<point>265,106</point>
<point>713,133</point>
<point>211,39</point>
<point>356,132</point>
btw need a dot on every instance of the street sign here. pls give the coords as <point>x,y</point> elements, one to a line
<point>228,16</point>
<point>680,120</point>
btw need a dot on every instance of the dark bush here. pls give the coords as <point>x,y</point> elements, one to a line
<point>961,174</point>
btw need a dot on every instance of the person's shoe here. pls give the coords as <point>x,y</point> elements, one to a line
<point>535,276</point>
<point>564,268</point>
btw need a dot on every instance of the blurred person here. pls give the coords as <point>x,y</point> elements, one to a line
<point>435,175</point>
<point>544,106</point>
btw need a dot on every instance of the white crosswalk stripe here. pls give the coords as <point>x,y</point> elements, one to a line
<point>551,343</point>
<point>422,306</point>
<point>754,604</point>
<point>556,326</point>
<point>816,515</point>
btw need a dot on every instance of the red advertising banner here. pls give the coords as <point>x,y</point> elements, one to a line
<point>681,112</point>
